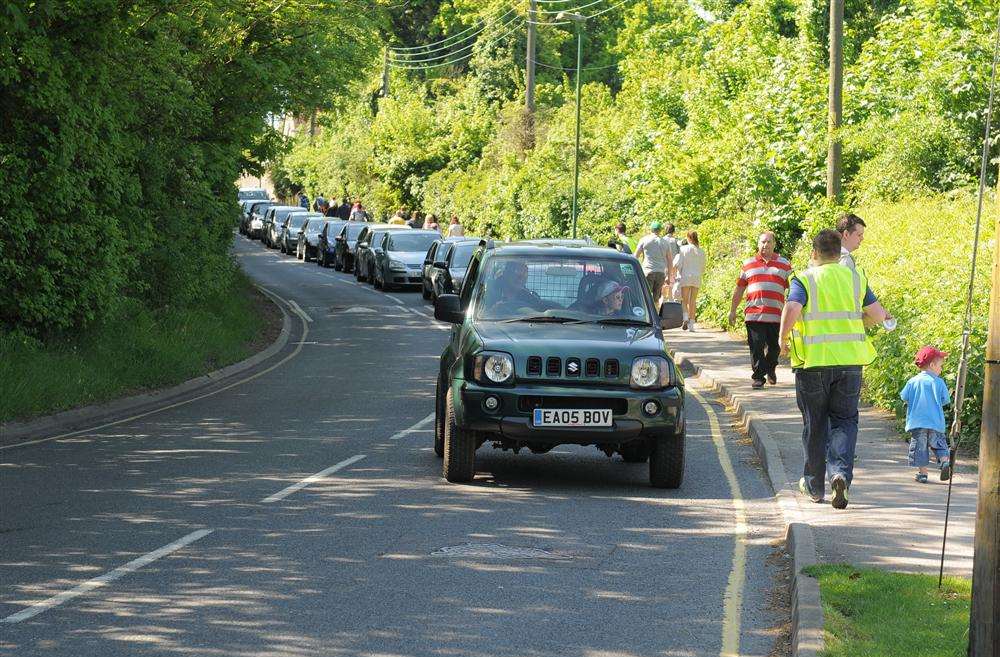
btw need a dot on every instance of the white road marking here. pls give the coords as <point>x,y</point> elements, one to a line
<point>414,429</point>
<point>395,298</point>
<point>301,313</point>
<point>106,578</point>
<point>282,494</point>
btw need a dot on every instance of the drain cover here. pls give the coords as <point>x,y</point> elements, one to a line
<point>494,551</point>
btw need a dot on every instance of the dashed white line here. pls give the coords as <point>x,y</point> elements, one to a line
<point>106,578</point>
<point>285,492</point>
<point>395,298</point>
<point>414,429</point>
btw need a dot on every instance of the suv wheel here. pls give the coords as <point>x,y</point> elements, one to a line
<point>439,418</point>
<point>459,448</point>
<point>666,461</point>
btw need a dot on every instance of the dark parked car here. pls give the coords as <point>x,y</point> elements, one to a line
<point>305,247</point>
<point>288,237</point>
<point>252,193</point>
<point>255,218</point>
<point>361,250</point>
<point>448,272</point>
<point>558,345</point>
<point>347,243</point>
<point>399,259</point>
<point>273,218</point>
<point>326,244</point>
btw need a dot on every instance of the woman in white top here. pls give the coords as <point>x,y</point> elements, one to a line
<point>689,266</point>
<point>455,229</point>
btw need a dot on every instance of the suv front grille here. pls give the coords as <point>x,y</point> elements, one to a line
<point>590,368</point>
<point>527,403</point>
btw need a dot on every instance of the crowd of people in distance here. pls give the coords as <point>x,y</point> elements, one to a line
<point>357,212</point>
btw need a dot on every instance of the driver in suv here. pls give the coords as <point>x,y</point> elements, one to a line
<point>558,344</point>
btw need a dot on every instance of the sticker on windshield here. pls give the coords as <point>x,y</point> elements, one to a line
<point>627,269</point>
<point>638,311</point>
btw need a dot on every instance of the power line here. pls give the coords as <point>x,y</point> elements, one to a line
<point>566,70</point>
<point>572,10</point>
<point>449,41</point>
<point>470,46</point>
<point>420,66</point>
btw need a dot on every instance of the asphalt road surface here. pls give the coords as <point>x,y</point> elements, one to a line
<point>197,530</point>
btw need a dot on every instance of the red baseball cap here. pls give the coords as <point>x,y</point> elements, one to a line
<point>927,354</point>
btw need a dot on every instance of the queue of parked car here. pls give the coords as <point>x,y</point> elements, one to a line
<point>555,341</point>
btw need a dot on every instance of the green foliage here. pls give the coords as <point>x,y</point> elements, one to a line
<point>122,129</point>
<point>875,613</point>
<point>711,120</point>
<point>128,351</point>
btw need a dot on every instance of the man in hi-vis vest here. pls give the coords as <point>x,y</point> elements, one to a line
<point>827,308</point>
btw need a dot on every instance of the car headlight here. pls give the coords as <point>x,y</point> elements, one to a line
<point>493,368</point>
<point>396,265</point>
<point>651,372</point>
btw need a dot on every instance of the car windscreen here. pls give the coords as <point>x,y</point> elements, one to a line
<point>564,288</point>
<point>463,254</point>
<point>315,225</point>
<point>443,251</point>
<point>354,229</point>
<point>252,193</point>
<point>403,241</point>
<point>261,208</point>
<point>296,220</point>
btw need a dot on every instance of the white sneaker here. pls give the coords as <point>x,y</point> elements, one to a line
<point>691,326</point>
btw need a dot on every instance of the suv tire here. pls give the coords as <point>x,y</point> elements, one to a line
<point>439,418</point>
<point>459,448</point>
<point>666,461</point>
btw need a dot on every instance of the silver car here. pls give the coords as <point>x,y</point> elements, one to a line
<point>398,260</point>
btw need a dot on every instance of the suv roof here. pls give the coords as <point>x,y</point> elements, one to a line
<point>558,248</point>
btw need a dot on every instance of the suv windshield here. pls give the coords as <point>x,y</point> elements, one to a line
<point>297,219</point>
<point>354,229</point>
<point>409,242</point>
<point>315,224</point>
<point>571,288</point>
<point>463,254</point>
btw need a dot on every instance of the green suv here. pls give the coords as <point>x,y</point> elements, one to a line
<point>558,344</point>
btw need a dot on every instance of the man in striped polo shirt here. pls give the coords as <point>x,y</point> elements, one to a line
<point>764,280</point>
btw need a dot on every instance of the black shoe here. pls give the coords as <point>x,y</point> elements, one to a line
<point>839,486</point>
<point>945,471</point>
<point>757,383</point>
<point>772,378</point>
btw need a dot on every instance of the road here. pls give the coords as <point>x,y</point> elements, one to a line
<point>177,533</point>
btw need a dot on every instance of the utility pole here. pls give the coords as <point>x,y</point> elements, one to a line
<point>529,82</point>
<point>385,74</point>
<point>984,621</point>
<point>576,158</point>
<point>836,100</point>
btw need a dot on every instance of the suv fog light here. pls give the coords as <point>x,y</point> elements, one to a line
<point>491,403</point>
<point>651,407</point>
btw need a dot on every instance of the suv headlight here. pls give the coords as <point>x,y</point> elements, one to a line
<point>651,372</point>
<point>493,368</point>
<point>396,265</point>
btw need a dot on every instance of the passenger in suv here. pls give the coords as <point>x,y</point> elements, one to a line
<point>555,345</point>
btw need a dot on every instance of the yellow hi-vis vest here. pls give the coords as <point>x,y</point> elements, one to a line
<point>831,329</point>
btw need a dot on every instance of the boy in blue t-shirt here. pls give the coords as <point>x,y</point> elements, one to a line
<point>926,395</point>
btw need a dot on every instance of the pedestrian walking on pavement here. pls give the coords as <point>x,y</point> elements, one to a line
<point>455,228</point>
<point>926,395</point>
<point>764,280</point>
<point>344,211</point>
<point>431,222</point>
<point>673,245</point>
<point>303,200</point>
<point>825,317</point>
<point>358,212</point>
<point>622,241</point>
<point>689,266</point>
<point>852,232</point>
<point>655,264</point>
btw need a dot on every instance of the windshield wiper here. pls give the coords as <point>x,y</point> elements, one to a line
<point>621,321</point>
<point>544,318</point>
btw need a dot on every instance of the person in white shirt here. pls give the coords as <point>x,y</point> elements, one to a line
<point>689,265</point>
<point>652,251</point>
<point>455,229</point>
<point>852,232</point>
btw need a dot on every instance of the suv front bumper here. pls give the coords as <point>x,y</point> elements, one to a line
<point>513,417</point>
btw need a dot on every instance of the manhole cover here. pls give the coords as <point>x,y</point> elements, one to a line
<point>494,551</point>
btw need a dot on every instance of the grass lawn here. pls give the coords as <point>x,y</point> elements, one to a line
<point>138,350</point>
<point>876,613</point>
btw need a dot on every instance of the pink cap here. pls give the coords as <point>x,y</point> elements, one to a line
<point>928,354</point>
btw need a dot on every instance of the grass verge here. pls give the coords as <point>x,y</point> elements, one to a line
<point>876,613</point>
<point>138,350</point>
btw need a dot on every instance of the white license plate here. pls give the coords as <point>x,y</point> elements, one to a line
<point>572,417</point>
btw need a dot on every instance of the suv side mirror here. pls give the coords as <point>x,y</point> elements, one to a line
<point>448,308</point>
<point>671,315</point>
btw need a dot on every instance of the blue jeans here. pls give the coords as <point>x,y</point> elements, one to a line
<point>922,442</point>
<point>828,400</point>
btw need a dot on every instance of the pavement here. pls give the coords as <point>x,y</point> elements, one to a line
<point>300,511</point>
<point>892,522</point>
